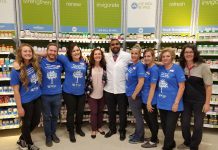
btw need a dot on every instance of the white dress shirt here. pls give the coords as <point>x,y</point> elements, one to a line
<point>116,72</point>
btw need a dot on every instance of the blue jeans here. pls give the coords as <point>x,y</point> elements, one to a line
<point>50,108</point>
<point>136,107</point>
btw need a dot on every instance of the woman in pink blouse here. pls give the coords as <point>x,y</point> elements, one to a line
<point>96,82</point>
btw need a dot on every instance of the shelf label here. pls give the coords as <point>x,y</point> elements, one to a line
<point>37,15</point>
<point>73,15</point>
<point>208,19</point>
<point>107,16</point>
<point>141,16</point>
<point>7,15</point>
<point>176,16</point>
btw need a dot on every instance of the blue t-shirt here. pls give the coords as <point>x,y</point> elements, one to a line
<point>134,72</point>
<point>51,77</point>
<point>168,87</point>
<point>75,73</point>
<point>151,76</point>
<point>33,91</point>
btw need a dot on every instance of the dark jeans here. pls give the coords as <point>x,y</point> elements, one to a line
<point>96,107</point>
<point>112,100</point>
<point>31,119</point>
<point>75,105</point>
<point>50,108</point>
<point>193,140</point>
<point>151,120</point>
<point>168,122</point>
<point>136,107</point>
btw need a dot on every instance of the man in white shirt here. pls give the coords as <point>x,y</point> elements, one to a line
<point>117,62</point>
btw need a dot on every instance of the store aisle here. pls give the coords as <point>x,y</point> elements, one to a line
<point>8,139</point>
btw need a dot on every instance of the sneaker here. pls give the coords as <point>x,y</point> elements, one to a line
<point>182,146</point>
<point>135,141</point>
<point>149,144</point>
<point>33,147</point>
<point>22,144</point>
<point>149,139</point>
<point>48,142</point>
<point>131,136</point>
<point>55,138</point>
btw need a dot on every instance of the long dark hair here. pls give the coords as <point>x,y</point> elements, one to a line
<point>70,49</point>
<point>197,58</point>
<point>92,60</point>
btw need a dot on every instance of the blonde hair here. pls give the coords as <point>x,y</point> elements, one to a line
<point>34,61</point>
<point>170,50</point>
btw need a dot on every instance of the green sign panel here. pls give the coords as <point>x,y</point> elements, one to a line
<point>107,16</point>
<point>37,15</point>
<point>73,15</point>
<point>208,18</point>
<point>176,16</point>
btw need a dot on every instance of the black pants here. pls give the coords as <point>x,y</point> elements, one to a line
<point>31,119</point>
<point>193,140</point>
<point>112,100</point>
<point>75,105</point>
<point>168,122</point>
<point>151,120</point>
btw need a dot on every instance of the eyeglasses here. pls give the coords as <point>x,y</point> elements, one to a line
<point>113,44</point>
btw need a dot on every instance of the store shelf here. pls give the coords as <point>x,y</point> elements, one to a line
<point>5,79</point>
<point>178,41</point>
<point>39,39</point>
<point>212,113</point>
<point>210,126</point>
<point>7,104</point>
<point>6,93</point>
<point>4,53</point>
<point>209,54</point>
<point>9,127</point>
<point>142,40</point>
<point>74,40</point>
<point>8,116</point>
<point>213,103</point>
<point>6,38</point>
<point>207,40</point>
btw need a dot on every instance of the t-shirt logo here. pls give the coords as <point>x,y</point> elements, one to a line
<point>163,84</point>
<point>33,79</point>
<point>77,74</point>
<point>51,75</point>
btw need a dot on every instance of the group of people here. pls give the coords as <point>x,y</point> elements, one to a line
<point>117,79</point>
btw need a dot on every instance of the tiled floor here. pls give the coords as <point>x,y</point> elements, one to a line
<point>8,140</point>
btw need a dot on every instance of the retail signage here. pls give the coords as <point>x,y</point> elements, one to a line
<point>141,16</point>
<point>208,18</point>
<point>7,15</point>
<point>107,16</point>
<point>176,16</point>
<point>37,15</point>
<point>73,15</point>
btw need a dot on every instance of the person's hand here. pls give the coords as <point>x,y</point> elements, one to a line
<point>149,107</point>
<point>85,59</point>
<point>16,66</point>
<point>133,96</point>
<point>175,107</point>
<point>21,111</point>
<point>206,108</point>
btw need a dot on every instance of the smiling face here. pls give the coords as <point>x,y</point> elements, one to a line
<point>189,54</point>
<point>166,58</point>
<point>97,56</point>
<point>148,58</point>
<point>115,46</point>
<point>52,53</point>
<point>26,53</point>
<point>135,55</point>
<point>76,53</point>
